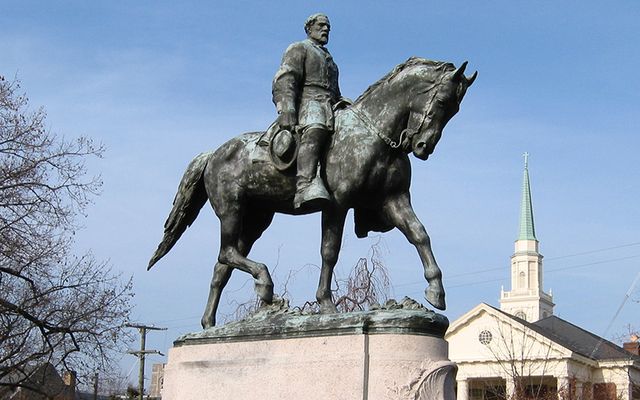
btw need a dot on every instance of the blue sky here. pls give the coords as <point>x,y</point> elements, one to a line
<point>159,82</point>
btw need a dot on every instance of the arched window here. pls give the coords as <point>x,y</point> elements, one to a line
<point>521,315</point>
<point>521,277</point>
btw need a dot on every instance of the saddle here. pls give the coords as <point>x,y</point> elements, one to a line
<point>283,144</point>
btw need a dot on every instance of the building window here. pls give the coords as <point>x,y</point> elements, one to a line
<point>485,337</point>
<point>521,315</point>
<point>604,391</point>
<point>476,394</point>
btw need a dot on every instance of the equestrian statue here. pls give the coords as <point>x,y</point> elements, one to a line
<point>324,154</point>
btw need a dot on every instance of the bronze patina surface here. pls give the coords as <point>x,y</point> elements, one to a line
<point>364,166</point>
<point>278,321</point>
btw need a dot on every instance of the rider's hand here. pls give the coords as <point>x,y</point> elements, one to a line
<point>287,120</point>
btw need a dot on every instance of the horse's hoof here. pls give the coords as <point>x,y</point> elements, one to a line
<point>206,323</point>
<point>265,292</point>
<point>435,297</point>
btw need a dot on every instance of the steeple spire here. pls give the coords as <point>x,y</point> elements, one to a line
<point>526,299</point>
<point>527,228</point>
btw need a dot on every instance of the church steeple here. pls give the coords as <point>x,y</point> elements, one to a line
<point>527,227</point>
<point>526,299</point>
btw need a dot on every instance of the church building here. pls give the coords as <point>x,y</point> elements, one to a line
<point>523,351</point>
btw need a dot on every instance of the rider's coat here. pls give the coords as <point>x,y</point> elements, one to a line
<point>307,83</point>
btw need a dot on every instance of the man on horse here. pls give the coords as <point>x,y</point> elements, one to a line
<point>305,89</point>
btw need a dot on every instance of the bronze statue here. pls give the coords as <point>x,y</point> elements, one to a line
<point>365,167</point>
<point>305,89</point>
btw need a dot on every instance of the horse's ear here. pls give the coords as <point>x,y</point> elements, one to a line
<point>472,78</point>
<point>459,73</point>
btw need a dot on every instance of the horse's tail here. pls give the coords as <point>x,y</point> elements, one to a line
<point>189,200</point>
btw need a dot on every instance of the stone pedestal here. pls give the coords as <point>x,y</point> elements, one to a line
<point>374,355</point>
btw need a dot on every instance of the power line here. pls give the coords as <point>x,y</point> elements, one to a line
<point>547,259</point>
<point>551,270</point>
<point>624,300</point>
<point>594,251</point>
<point>481,271</point>
<point>594,263</point>
<point>164,322</point>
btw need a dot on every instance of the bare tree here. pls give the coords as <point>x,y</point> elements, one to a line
<point>523,361</point>
<point>367,284</point>
<point>630,333</point>
<point>530,363</point>
<point>55,307</point>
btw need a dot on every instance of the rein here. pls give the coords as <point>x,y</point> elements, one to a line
<point>406,135</point>
<point>370,125</point>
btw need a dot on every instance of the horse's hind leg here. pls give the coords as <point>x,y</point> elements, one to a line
<point>252,228</point>
<point>230,254</point>
<point>221,275</point>
<point>398,210</point>
<point>254,224</point>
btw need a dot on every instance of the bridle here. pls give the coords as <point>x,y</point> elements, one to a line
<point>407,134</point>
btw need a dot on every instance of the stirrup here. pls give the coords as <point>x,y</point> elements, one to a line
<point>311,194</point>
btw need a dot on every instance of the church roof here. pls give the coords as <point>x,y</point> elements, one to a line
<point>576,339</point>
<point>527,228</point>
<point>581,341</point>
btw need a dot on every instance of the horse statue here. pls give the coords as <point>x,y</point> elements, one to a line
<point>365,166</point>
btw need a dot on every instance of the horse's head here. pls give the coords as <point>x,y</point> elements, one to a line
<point>433,106</point>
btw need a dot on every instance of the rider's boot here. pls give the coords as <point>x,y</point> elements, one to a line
<point>310,190</point>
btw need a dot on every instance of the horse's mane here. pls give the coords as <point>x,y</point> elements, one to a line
<point>411,62</point>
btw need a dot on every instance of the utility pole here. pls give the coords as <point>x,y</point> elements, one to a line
<point>95,386</point>
<point>142,352</point>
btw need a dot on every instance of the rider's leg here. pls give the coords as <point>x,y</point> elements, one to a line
<point>309,186</point>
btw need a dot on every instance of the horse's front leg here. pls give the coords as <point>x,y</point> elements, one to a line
<point>398,210</point>
<point>332,228</point>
